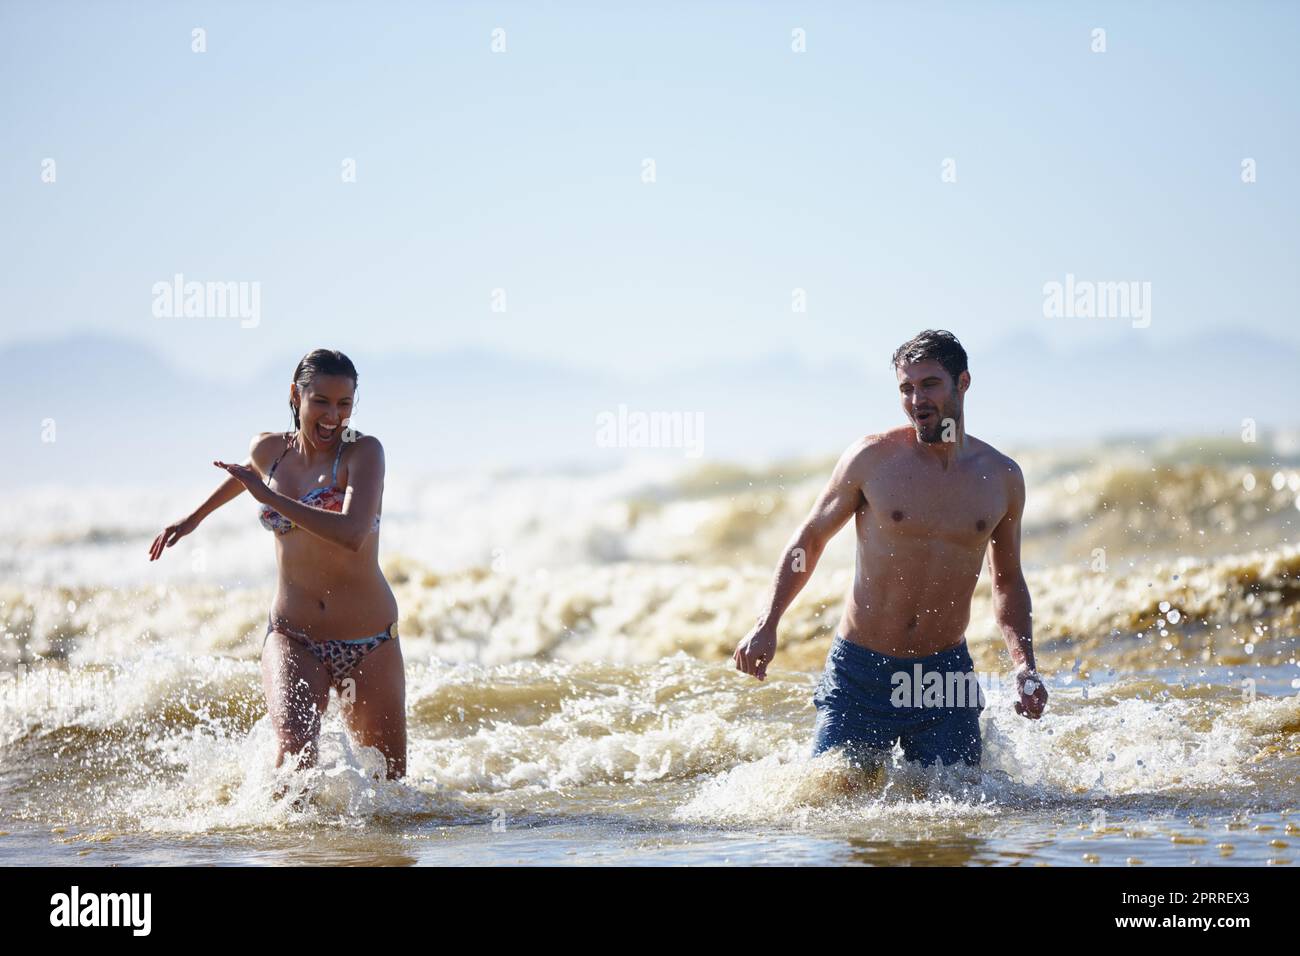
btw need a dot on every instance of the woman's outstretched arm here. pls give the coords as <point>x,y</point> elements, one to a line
<point>228,490</point>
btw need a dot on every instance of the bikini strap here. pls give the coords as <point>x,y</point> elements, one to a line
<point>271,474</point>
<point>334,475</point>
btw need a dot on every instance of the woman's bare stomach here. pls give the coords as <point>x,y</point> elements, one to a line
<point>333,604</point>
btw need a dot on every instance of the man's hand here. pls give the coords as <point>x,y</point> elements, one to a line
<point>1033,694</point>
<point>755,652</point>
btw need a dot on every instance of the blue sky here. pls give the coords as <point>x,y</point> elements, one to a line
<point>522,171</point>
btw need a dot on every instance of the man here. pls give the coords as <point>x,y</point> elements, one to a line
<point>927,500</point>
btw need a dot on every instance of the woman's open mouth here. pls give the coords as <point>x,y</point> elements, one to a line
<point>326,434</point>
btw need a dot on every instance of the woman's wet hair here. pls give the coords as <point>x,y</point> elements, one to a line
<point>319,362</point>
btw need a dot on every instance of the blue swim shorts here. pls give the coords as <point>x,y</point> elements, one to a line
<point>866,701</point>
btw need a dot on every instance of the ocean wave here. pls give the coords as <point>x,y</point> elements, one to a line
<point>184,744</point>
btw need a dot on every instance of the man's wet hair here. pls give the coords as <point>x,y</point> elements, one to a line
<point>937,344</point>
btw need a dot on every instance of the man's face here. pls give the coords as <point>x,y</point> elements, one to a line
<point>931,399</point>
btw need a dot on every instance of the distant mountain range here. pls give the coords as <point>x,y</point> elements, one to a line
<point>121,412</point>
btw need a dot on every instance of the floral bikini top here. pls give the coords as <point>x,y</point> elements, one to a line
<point>326,497</point>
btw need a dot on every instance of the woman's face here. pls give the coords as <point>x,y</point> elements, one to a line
<point>324,408</point>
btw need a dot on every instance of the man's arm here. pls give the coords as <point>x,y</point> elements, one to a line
<point>1011,604</point>
<point>837,503</point>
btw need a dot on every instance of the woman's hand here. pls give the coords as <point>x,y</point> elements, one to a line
<point>170,535</point>
<point>250,479</point>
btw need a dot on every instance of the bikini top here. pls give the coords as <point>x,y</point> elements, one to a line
<point>326,497</point>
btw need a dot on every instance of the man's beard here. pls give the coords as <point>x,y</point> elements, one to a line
<point>930,434</point>
<point>933,433</point>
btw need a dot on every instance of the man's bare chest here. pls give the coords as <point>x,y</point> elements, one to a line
<point>962,509</point>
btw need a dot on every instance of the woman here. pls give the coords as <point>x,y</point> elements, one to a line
<point>334,619</point>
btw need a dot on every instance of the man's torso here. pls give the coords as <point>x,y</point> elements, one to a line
<point>922,532</point>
